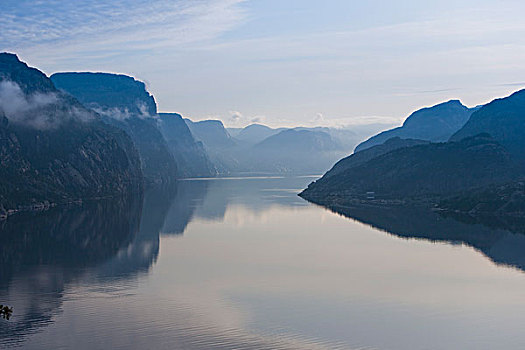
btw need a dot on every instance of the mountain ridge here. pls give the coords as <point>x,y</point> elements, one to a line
<point>435,124</point>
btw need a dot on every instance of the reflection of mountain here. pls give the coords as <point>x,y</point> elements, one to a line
<point>46,252</point>
<point>496,242</point>
<point>97,243</point>
<point>210,199</point>
<point>143,251</point>
<point>189,196</point>
<point>254,194</point>
<point>110,243</point>
<point>76,236</point>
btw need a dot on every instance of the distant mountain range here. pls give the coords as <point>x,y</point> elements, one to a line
<point>254,133</point>
<point>478,171</point>
<point>259,149</point>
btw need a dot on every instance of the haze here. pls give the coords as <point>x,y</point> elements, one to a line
<point>282,63</point>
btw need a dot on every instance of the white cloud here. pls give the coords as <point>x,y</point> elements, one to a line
<point>36,110</point>
<point>236,117</point>
<point>107,28</point>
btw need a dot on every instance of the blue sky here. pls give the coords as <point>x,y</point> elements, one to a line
<point>284,62</point>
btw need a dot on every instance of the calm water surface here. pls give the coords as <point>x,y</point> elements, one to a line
<point>247,264</point>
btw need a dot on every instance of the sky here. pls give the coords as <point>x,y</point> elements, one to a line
<point>282,62</point>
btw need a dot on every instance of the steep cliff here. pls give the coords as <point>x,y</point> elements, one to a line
<point>52,149</point>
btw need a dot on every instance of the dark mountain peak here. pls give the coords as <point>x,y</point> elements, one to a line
<point>9,56</point>
<point>504,119</point>
<point>29,98</point>
<point>444,110</point>
<point>30,80</point>
<point>108,91</point>
<point>171,115</point>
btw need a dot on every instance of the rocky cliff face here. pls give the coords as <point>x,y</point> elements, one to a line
<point>52,149</point>
<point>124,102</point>
<point>191,158</point>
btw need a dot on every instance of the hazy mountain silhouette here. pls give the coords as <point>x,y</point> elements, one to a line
<point>211,132</point>
<point>126,104</point>
<point>298,141</point>
<point>435,124</point>
<point>296,151</point>
<point>54,150</point>
<point>190,155</point>
<point>220,147</point>
<point>255,133</point>
<point>346,138</point>
<point>280,151</point>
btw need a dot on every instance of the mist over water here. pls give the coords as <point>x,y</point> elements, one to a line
<point>245,263</point>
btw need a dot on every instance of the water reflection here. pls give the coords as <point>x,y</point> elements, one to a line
<point>500,240</point>
<point>108,242</point>
<point>183,266</point>
<point>209,199</point>
<point>42,253</point>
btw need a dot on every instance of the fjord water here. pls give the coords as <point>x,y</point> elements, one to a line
<point>246,263</point>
